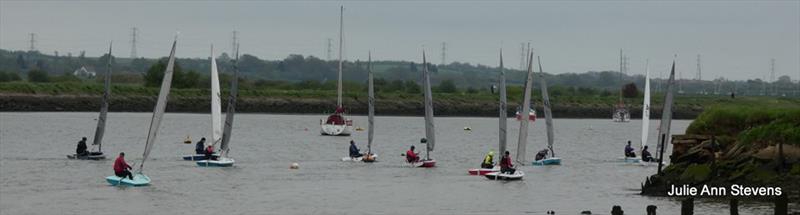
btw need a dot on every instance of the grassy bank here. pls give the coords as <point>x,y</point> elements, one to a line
<point>753,145</point>
<point>84,96</point>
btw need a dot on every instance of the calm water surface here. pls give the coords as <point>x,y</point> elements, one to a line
<point>36,177</point>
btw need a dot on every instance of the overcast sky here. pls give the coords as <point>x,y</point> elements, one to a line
<point>736,39</point>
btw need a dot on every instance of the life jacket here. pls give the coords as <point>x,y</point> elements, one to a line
<point>410,155</point>
<point>489,159</point>
<point>210,149</point>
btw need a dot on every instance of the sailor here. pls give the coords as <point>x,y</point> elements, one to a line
<point>488,161</point>
<point>646,156</point>
<point>81,150</point>
<point>121,168</point>
<point>209,151</point>
<point>629,150</point>
<point>411,156</point>
<point>200,145</point>
<point>541,154</point>
<point>505,164</point>
<point>354,152</point>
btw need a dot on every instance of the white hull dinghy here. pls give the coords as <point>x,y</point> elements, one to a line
<point>139,178</point>
<point>517,175</point>
<point>223,160</point>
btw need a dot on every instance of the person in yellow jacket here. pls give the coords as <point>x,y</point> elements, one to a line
<point>488,161</point>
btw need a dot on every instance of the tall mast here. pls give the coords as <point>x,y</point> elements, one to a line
<point>341,41</point>
<point>371,101</point>
<point>503,107</point>
<point>101,120</point>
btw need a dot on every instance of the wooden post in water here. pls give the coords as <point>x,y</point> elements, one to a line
<point>734,206</point>
<point>782,205</point>
<point>661,153</point>
<point>687,206</point>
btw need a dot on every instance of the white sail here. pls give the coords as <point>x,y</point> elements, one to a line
<point>526,107</point>
<point>429,128</point>
<point>503,108</point>
<point>646,106</point>
<point>371,101</point>
<point>666,115</point>
<point>547,112</point>
<point>216,108</point>
<point>101,120</point>
<point>161,105</point>
<point>226,134</point>
<point>341,41</point>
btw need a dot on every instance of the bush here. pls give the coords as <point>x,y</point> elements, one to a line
<point>38,76</point>
<point>447,86</point>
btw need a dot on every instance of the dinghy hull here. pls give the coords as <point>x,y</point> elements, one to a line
<point>548,161</point>
<point>198,157</point>
<point>629,159</point>
<point>482,171</point>
<point>352,159</point>
<point>224,162</point>
<point>91,156</point>
<point>425,164</point>
<point>504,176</point>
<point>138,180</point>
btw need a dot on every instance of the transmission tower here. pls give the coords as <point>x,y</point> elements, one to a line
<point>234,42</point>
<point>699,75</point>
<point>33,42</point>
<point>133,42</point>
<point>444,52</point>
<point>522,56</point>
<point>772,76</point>
<point>329,49</point>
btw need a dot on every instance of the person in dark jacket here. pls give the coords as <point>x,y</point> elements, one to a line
<point>541,154</point>
<point>354,152</point>
<point>505,164</point>
<point>81,150</point>
<point>646,156</point>
<point>629,150</point>
<point>200,147</point>
<point>121,168</point>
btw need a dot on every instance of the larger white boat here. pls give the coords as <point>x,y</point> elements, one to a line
<point>337,123</point>
<point>223,160</point>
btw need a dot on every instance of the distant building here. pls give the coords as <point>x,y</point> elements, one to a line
<point>84,73</point>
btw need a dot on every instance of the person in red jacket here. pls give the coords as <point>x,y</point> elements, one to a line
<point>209,151</point>
<point>411,157</point>
<point>505,164</point>
<point>121,168</point>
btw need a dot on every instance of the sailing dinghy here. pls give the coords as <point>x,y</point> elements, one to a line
<point>101,120</point>
<point>337,124</point>
<point>502,117</point>
<point>369,157</point>
<point>430,136</point>
<point>523,130</point>
<point>552,160</point>
<point>664,135</point>
<point>216,112</point>
<point>645,118</point>
<point>223,160</point>
<point>139,178</point>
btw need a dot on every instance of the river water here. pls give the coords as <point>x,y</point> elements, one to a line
<point>36,177</point>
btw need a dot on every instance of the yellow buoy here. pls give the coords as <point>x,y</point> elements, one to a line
<point>188,140</point>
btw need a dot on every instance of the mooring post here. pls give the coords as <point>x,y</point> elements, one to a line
<point>661,153</point>
<point>651,210</point>
<point>734,203</point>
<point>782,205</point>
<point>687,206</point>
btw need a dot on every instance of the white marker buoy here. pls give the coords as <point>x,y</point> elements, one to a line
<point>294,166</point>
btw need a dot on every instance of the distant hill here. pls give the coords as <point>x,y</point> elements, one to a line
<point>296,68</point>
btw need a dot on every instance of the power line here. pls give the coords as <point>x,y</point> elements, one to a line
<point>699,74</point>
<point>133,42</point>
<point>522,56</point>
<point>772,75</point>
